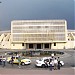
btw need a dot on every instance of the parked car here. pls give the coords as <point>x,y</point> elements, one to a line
<point>24,61</point>
<point>41,62</point>
<point>15,59</point>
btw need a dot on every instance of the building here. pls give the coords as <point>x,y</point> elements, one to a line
<point>5,41</point>
<point>38,34</point>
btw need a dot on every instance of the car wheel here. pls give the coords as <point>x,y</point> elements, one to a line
<point>43,66</point>
<point>22,63</point>
<point>9,62</point>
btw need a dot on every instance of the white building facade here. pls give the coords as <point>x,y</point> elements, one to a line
<point>38,34</point>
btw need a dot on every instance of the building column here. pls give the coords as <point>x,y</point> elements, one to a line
<point>43,45</point>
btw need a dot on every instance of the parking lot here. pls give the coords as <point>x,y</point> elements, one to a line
<point>68,58</point>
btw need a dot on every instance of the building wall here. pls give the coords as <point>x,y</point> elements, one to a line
<point>6,45</point>
<point>69,44</point>
<point>5,41</point>
<point>26,46</point>
<point>18,46</point>
<point>58,45</point>
<point>38,32</point>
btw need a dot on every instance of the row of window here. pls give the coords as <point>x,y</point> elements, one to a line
<point>39,39</point>
<point>46,45</point>
<point>37,31</point>
<point>36,22</point>
<point>38,35</point>
<point>38,27</point>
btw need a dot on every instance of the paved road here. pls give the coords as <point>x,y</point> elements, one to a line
<point>63,71</point>
<point>69,59</point>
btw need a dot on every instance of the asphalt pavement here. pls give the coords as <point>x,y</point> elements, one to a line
<point>63,71</point>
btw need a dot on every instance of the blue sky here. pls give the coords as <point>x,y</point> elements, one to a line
<point>36,9</point>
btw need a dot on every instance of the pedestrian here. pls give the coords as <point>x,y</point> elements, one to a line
<point>4,62</point>
<point>52,58</point>
<point>55,64</point>
<point>58,63</point>
<point>52,55</point>
<point>0,61</point>
<point>50,63</point>
<point>46,64</point>
<point>19,62</point>
<point>12,59</point>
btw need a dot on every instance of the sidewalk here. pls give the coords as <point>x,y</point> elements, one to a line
<point>62,71</point>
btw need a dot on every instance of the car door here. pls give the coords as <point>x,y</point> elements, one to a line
<point>47,60</point>
<point>15,59</point>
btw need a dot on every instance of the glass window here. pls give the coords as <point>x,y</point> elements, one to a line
<point>30,45</point>
<point>22,44</point>
<point>46,45</point>
<point>54,44</point>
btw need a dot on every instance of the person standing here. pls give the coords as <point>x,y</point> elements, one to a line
<point>4,61</point>
<point>52,55</point>
<point>46,63</point>
<point>12,59</point>
<point>58,63</point>
<point>50,63</point>
<point>55,64</point>
<point>19,60</point>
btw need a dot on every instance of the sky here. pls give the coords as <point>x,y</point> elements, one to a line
<point>36,10</point>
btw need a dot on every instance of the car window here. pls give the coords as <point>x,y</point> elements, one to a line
<point>13,57</point>
<point>23,58</point>
<point>16,57</point>
<point>47,60</point>
<point>40,59</point>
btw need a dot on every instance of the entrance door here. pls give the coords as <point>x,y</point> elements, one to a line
<point>47,45</point>
<point>38,46</point>
<point>30,45</point>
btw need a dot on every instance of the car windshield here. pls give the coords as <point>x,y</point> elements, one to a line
<point>23,58</point>
<point>40,59</point>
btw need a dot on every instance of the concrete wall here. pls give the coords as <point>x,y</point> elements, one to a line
<point>18,46</point>
<point>6,45</point>
<point>2,37</point>
<point>69,44</point>
<point>58,46</point>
